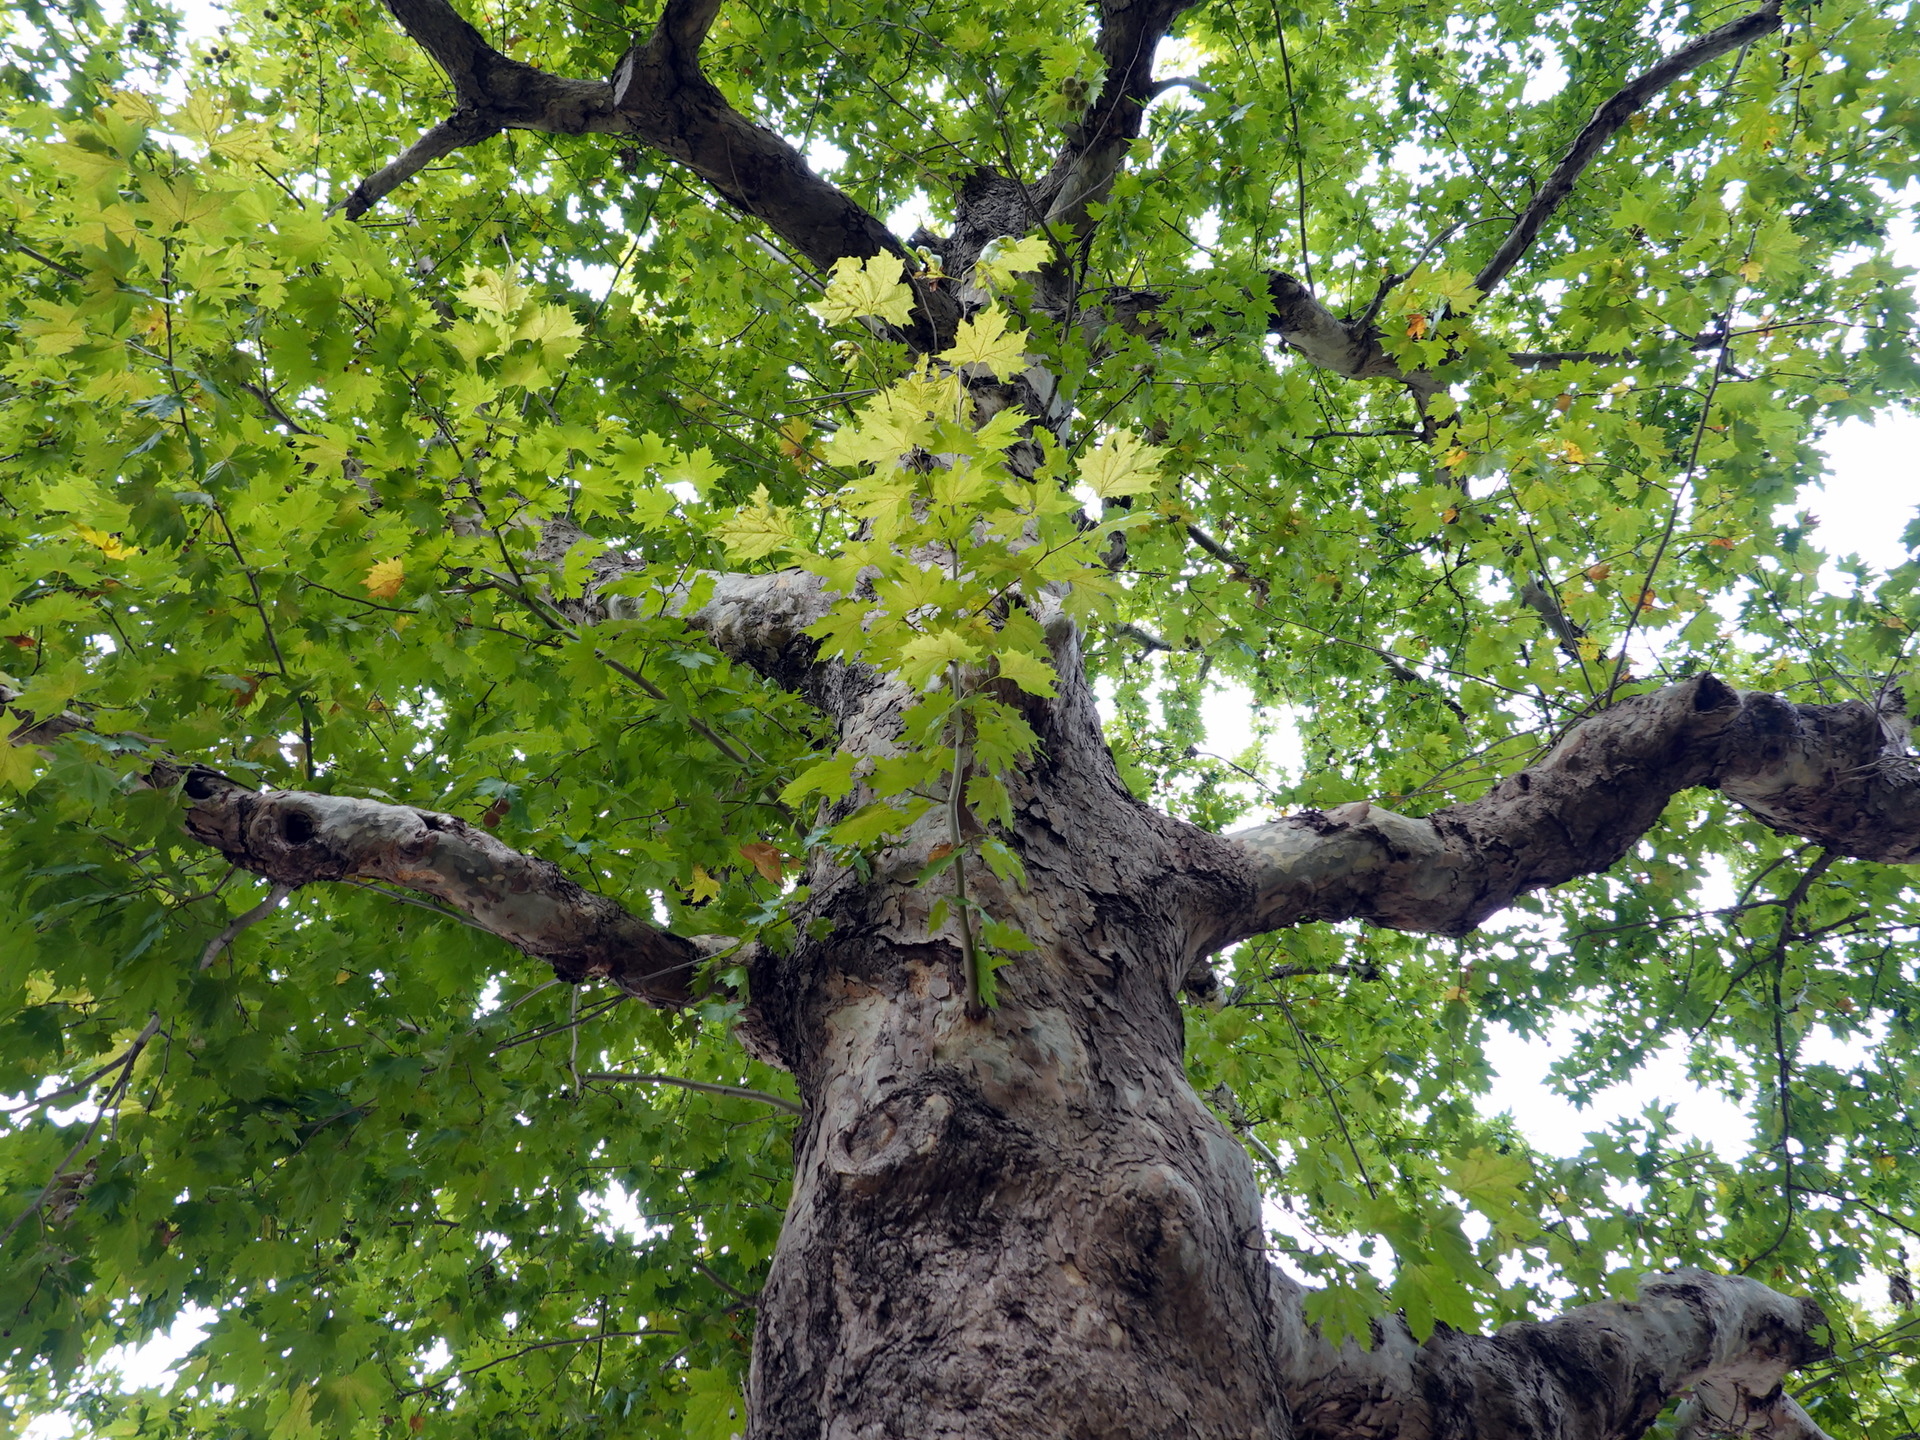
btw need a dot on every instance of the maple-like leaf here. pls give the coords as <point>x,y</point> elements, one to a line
<point>384,580</point>
<point>1121,465</point>
<point>866,287</point>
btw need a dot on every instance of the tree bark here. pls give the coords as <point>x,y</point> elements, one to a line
<point>1026,1223</point>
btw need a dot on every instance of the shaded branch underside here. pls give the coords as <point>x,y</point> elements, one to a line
<point>1599,1372</point>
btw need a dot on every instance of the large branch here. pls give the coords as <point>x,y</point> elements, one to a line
<point>298,837</point>
<point>659,97</point>
<point>1346,347</point>
<point>1600,1372</point>
<point>1834,774</point>
<point>1097,145</point>
<point>1614,112</point>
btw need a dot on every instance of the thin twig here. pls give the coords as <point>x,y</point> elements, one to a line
<point>705,1087</point>
<point>93,1126</point>
<point>241,922</point>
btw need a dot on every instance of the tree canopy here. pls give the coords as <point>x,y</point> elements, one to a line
<point>1344,361</point>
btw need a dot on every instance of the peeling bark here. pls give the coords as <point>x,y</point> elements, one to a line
<point>1601,1372</point>
<point>1835,774</point>
<point>297,837</point>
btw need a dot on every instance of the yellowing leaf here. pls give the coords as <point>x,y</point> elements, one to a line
<point>249,144</point>
<point>201,117</point>
<point>985,340</point>
<point>110,546</point>
<point>553,329</point>
<point>866,287</point>
<point>1588,647</point>
<point>704,886</point>
<point>1455,458</point>
<point>493,293</point>
<point>758,529</point>
<point>925,657</point>
<point>132,105</point>
<point>1121,465</point>
<point>793,442</point>
<point>1004,259</point>
<point>384,580</point>
<point>19,764</point>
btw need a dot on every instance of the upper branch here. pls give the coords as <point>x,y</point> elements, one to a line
<point>1096,146</point>
<point>1836,774</point>
<point>1351,347</point>
<point>659,97</point>
<point>1600,1372</point>
<point>1614,112</point>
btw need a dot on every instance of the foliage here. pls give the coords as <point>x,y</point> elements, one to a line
<point>272,490</point>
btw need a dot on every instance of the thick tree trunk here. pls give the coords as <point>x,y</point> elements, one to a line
<point>1023,1225</point>
<point>1028,1223</point>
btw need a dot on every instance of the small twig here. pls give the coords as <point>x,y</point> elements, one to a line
<point>573,1038</point>
<point>597,1336</point>
<point>742,1296</point>
<point>1614,112</point>
<point>119,1088</point>
<point>241,922</point>
<point>705,1087</point>
<point>956,837</point>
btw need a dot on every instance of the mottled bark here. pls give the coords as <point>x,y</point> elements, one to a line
<point>297,837</point>
<point>1600,1372</point>
<point>1835,774</point>
<point>1028,1223</point>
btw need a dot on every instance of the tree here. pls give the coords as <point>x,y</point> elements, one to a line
<point>560,664</point>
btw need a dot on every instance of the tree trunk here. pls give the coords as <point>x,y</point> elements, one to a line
<point>1026,1223</point>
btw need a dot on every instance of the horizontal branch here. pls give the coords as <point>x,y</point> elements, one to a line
<point>1612,113</point>
<point>1345,347</point>
<point>299,837</point>
<point>1600,1372</point>
<point>1835,774</point>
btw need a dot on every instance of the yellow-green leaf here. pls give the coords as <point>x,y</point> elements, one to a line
<point>758,529</point>
<point>986,340</point>
<point>866,287</point>
<point>1121,465</point>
